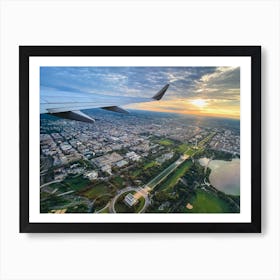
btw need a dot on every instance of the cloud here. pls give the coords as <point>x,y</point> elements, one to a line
<point>224,83</point>
<point>220,86</point>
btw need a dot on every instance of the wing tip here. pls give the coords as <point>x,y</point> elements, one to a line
<point>160,94</point>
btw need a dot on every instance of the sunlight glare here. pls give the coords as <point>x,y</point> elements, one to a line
<point>199,102</point>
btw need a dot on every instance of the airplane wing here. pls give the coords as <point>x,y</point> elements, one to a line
<point>68,105</point>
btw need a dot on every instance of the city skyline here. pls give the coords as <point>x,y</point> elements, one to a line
<point>204,91</point>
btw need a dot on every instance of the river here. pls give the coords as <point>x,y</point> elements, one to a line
<point>225,175</point>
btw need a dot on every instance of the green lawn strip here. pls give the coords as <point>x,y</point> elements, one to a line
<point>206,139</point>
<point>192,151</point>
<point>159,177</point>
<point>141,202</point>
<point>182,148</point>
<point>173,178</point>
<point>207,202</point>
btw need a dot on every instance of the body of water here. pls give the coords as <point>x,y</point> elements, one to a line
<point>225,175</point>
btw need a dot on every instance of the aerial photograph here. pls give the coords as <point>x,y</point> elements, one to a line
<point>140,140</point>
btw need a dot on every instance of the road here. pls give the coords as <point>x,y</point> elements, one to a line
<point>49,183</point>
<point>101,210</point>
<point>65,193</point>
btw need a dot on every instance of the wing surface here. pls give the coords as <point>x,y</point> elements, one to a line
<point>64,104</point>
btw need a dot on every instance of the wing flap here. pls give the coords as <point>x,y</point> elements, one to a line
<point>74,115</point>
<point>115,109</point>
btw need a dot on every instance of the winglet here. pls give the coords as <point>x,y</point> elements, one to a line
<point>160,94</point>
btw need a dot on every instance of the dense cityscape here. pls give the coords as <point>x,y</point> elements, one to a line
<point>144,162</point>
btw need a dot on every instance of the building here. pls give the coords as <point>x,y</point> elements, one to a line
<point>107,159</point>
<point>107,168</point>
<point>132,156</point>
<point>164,157</point>
<point>130,200</point>
<point>121,163</point>
<point>92,175</point>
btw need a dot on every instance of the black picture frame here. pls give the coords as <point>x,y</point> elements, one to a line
<point>25,52</point>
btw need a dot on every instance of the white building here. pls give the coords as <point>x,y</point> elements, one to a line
<point>130,200</point>
<point>132,156</point>
<point>92,175</point>
<point>121,163</point>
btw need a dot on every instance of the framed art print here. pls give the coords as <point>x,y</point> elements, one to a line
<point>140,138</point>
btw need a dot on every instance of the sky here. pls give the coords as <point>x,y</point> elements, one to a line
<point>205,91</point>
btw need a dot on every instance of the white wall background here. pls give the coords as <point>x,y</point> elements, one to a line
<point>138,256</point>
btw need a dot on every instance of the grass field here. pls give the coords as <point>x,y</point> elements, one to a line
<point>101,201</point>
<point>165,142</point>
<point>149,165</point>
<point>96,190</point>
<point>106,210</point>
<point>182,148</point>
<point>76,183</point>
<point>53,202</point>
<point>173,178</point>
<point>136,173</point>
<point>117,181</point>
<point>207,202</point>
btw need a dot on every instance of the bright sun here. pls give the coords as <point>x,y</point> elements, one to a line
<point>199,102</point>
